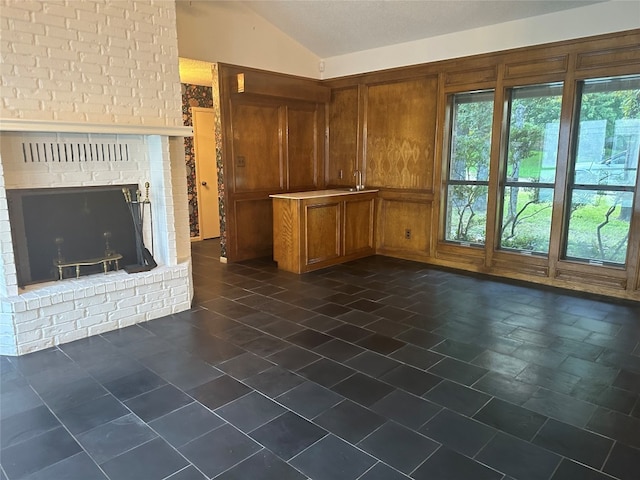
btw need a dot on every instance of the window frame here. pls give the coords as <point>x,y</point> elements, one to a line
<point>447,160</point>
<point>571,186</point>
<point>504,183</point>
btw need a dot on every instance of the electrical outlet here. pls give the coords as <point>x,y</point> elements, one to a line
<point>407,234</point>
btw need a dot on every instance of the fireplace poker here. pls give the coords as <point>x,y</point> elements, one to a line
<point>136,209</point>
<point>146,202</point>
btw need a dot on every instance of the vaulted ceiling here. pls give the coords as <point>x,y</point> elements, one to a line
<point>336,27</point>
<point>330,28</point>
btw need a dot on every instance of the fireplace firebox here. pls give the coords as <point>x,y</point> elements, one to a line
<point>66,232</point>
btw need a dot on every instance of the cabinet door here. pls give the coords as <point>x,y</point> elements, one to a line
<point>322,232</point>
<point>257,162</point>
<point>358,226</point>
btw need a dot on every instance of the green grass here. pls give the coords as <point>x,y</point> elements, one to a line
<point>583,232</point>
<point>533,233</point>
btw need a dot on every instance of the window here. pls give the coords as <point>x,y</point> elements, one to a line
<point>530,168</point>
<point>604,171</point>
<point>468,168</point>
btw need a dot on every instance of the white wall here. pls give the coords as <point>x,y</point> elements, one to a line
<point>595,19</point>
<point>229,32</point>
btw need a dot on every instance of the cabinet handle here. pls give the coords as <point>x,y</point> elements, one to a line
<point>204,184</point>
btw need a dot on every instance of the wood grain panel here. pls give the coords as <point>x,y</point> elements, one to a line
<point>358,226</point>
<point>466,259</point>
<point>256,148</point>
<point>476,75</point>
<point>253,233</point>
<point>396,217</point>
<point>343,137</point>
<point>517,264</point>
<point>536,67</point>
<point>604,279</point>
<point>302,152</point>
<point>322,232</point>
<point>272,84</point>
<point>608,58</point>
<point>286,234</point>
<point>401,125</point>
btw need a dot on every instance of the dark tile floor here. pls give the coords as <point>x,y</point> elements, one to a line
<point>378,369</point>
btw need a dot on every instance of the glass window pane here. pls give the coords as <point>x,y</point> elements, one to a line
<point>470,149</point>
<point>533,133</point>
<point>608,143</point>
<point>526,217</point>
<point>532,151</point>
<point>599,225</point>
<point>471,136</point>
<point>466,213</point>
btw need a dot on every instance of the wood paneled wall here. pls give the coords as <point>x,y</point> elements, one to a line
<point>273,142</point>
<point>284,133</point>
<point>344,151</point>
<point>400,124</point>
<point>400,140</point>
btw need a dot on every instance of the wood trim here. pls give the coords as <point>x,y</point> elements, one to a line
<point>471,255</point>
<point>535,67</point>
<point>565,145</point>
<point>361,139</point>
<point>440,151</point>
<point>415,196</point>
<point>271,84</point>
<point>471,76</point>
<point>605,278</point>
<point>462,258</point>
<point>521,269</point>
<point>608,58</point>
<point>55,126</point>
<point>498,149</point>
<point>514,262</point>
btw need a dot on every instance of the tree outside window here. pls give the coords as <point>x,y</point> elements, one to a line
<point>527,186</point>
<point>468,168</point>
<point>604,171</point>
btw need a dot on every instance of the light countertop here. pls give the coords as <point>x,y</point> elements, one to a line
<point>321,193</point>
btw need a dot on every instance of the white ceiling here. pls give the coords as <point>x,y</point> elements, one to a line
<point>330,28</point>
<point>336,27</point>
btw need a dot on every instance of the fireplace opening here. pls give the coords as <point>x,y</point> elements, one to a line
<point>67,232</point>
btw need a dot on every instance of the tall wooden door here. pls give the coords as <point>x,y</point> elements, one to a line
<point>204,143</point>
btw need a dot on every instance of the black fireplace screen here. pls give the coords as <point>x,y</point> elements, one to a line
<point>63,226</point>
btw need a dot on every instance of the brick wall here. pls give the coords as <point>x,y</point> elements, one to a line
<point>96,61</point>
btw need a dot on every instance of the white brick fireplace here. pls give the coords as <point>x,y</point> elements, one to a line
<point>89,76</point>
<point>46,314</point>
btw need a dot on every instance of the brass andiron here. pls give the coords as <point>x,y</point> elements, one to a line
<point>109,259</point>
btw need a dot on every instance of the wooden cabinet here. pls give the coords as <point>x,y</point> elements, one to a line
<point>273,140</point>
<point>313,230</point>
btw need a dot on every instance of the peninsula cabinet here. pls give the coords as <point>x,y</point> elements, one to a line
<point>317,229</point>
